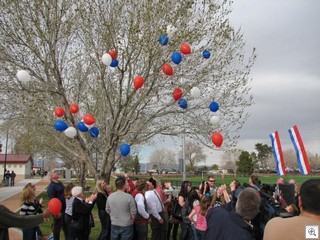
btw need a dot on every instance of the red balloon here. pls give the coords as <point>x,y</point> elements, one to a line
<point>55,206</point>
<point>177,94</point>
<point>74,108</point>
<point>217,139</point>
<point>114,54</point>
<point>138,81</point>
<point>167,69</point>
<point>59,112</point>
<point>89,119</point>
<point>185,48</point>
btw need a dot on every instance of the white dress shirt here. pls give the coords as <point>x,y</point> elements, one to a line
<point>140,205</point>
<point>155,205</point>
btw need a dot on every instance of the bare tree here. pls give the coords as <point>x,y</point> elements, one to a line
<point>60,44</point>
<point>193,154</point>
<point>162,158</point>
<point>229,159</point>
<point>314,160</point>
<point>290,158</point>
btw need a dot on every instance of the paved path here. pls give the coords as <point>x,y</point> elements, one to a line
<point>10,197</point>
<point>8,192</point>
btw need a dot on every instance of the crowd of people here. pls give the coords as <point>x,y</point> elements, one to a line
<point>206,211</point>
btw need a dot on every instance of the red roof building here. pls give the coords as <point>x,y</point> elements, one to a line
<point>21,164</point>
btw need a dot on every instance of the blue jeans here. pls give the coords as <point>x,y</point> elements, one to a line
<point>121,233</point>
<point>105,225</point>
<point>200,234</point>
<point>193,232</point>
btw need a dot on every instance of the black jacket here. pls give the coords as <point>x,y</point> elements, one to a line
<point>82,210</point>
<point>226,225</point>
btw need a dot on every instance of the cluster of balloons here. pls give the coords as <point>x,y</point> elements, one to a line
<point>110,58</point>
<point>87,124</point>
<point>195,92</point>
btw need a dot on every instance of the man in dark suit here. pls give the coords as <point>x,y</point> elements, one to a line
<point>229,225</point>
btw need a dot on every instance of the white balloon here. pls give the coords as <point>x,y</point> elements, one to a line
<point>171,30</point>
<point>214,120</point>
<point>70,132</point>
<point>23,76</point>
<point>106,59</point>
<point>195,92</point>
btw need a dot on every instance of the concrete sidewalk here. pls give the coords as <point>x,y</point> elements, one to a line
<point>8,192</point>
<point>10,197</point>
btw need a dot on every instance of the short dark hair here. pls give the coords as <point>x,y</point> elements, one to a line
<point>153,181</point>
<point>237,183</point>
<point>254,179</point>
<point>310,196</point>
<point>210,176</point>
<point>248,204</point>
<point>120,182</point>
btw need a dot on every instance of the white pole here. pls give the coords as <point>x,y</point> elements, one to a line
<point>183,158</point>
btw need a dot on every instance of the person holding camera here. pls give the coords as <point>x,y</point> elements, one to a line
<point>296,227</point>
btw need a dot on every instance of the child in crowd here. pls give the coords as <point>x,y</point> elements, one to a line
<point>198,216</point>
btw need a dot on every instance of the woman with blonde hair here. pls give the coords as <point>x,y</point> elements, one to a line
<point>104,217</point>
<point>220,197</point>
<point>30,206</point>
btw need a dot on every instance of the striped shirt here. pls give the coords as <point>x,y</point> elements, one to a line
<point>30,208</point>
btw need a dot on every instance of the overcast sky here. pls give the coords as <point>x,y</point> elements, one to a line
<point>285,77</point>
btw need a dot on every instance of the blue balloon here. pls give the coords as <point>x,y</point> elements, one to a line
<point>114,63</point>
<point>176,57</point>
<point>163,39</point>
<point>125,149</point>
<point>82,127</point>
<point>206,54</point>
<point>183,103</point>
<point>214,107</point>
<point>94,132</point>
<point>60,125</point>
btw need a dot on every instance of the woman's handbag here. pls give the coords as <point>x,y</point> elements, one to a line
<point>176,211</point>
<point>76,225</point>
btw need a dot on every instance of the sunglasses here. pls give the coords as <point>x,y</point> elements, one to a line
<point>211,181</point>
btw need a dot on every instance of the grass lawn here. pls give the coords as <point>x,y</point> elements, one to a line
<point>176,181</point>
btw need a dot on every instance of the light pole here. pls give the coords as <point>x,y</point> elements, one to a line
<point>5,155</point>
<point>183,158</point>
